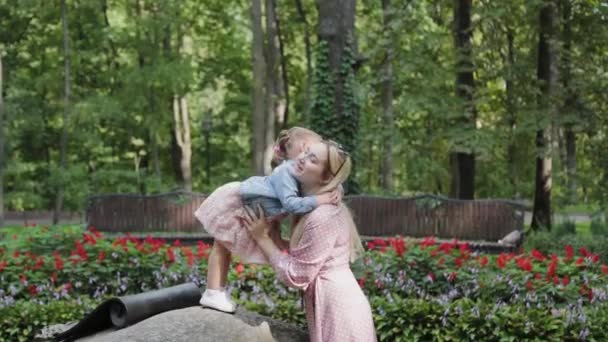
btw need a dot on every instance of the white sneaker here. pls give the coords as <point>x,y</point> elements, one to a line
<point>229,299</point>
<point>217,299</point>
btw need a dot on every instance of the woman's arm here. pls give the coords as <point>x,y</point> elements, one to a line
<point>301,266</point>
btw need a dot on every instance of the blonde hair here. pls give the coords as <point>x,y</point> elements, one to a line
<point>339,166</point>
<point>287,137</point>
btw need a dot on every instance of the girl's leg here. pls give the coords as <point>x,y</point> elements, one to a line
<point>217,268</point>
<point>215,295</point>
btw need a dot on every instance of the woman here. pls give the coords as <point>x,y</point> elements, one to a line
<point>323,243</point>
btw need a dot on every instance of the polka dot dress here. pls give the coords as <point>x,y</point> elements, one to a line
<point>336,308</point>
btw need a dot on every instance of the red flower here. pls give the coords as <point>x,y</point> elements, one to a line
<point>552,268</point>
<point>3,265</point>
<point>427,242</point>
<point>458,262</point>
<point>483,261</point>
<point>177,243</point>
<point>80,250</point>
<point>58,261</point>
<point>441,261</point>
<point>239,268</point>
<point>580,261</point>
<point>529,285</point>
<point>101,256</point>
<point>464,248</point>
<point>382,249</point>
<point>16,254</point>
<point>431,277</point>
<point>95,232</point>
<point>187,251</point>
<point>90,239</point>
<point>32,290</point>
<point>23,279</point>
<point>201,251</point>
<point>538,255</point>
<point>566,280</point>
<point>371,245</point>
<point>584,252</point>
<point>361,282</point>
<point>53,277</point>
<point>586,291</point>
<point>380,242</point>
<point>452,277</point>
<point>538,276</point>
<point>67,286</point>
<point>170,254</point>
<point>569,252</point>
<point>595,258</point>
<point>398,245</point>
<point>39,263</point>
<point>604,269</point>
<point>555,280</point>
<point>524,264</point>
<point>446,247</point>
<point>502,260</point>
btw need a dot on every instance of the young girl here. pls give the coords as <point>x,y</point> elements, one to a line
<point>277,195</point>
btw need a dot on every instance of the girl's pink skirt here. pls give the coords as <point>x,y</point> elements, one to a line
<point>219,213</point>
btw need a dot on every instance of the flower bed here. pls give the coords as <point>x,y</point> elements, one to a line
<point>417,290</point>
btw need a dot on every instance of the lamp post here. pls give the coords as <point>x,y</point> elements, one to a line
<point>207,128</point>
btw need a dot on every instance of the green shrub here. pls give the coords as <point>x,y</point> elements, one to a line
<point>550,244</point>
<point>24,319</point>
<point>567,227</point>
<point>598,225</point>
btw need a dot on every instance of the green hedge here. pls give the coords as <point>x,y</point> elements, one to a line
<point>23,320</point>
<point>396,319</point>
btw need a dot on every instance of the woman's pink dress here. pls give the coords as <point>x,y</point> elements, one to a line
<point>219,213</point>
<point>336,308</point>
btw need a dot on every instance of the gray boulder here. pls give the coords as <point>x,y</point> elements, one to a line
<point>195,324</point>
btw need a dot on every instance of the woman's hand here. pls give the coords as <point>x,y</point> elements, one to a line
<point>258,226</point>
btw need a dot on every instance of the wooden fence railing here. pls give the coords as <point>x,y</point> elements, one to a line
<point>417,216</point>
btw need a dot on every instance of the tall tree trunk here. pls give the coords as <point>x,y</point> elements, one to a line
<point>181,118</point>
<point>282,81</point>
<point>463,181</point>
<point>547,76</point>
<point>569,105</point>
<point>66,108</point>
<point>1,143</point>
<point>387,99</point>
<point>274,98</point>
<point>336,31</point>
<point>308,48</point>
<point>509,61</point>
<point>259,108</point>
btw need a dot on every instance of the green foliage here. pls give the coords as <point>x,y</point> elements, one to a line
<point>342,126</point>
<point>567,227</point>
<point>24,319</point>
<point>549,243</point>
<point>417,290</point>
<point>127,65</point>
<point>599,224</point>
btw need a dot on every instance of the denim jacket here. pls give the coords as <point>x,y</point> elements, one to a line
<point>278,193</point>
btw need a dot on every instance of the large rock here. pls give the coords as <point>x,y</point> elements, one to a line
<point>195,324</point>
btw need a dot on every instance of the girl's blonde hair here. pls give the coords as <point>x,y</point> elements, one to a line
<point>287,137</point>
<point>338,165</point>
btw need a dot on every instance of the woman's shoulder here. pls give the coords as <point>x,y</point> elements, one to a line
<point>324,213</point>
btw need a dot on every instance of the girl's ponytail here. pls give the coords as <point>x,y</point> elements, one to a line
<point>280,148</point>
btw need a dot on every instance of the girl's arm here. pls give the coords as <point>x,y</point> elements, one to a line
<point>285,187</point>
